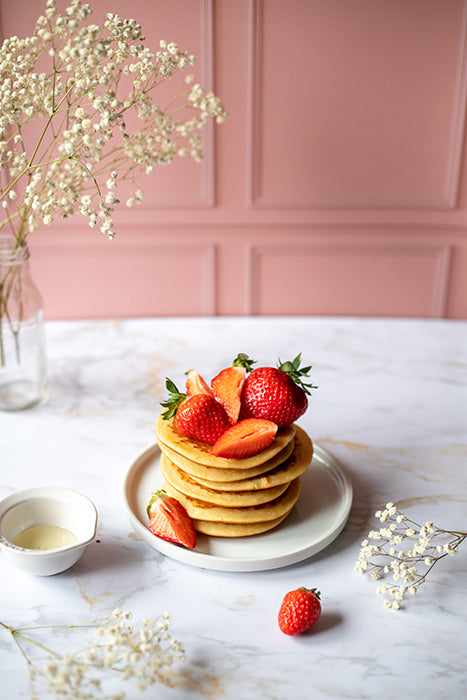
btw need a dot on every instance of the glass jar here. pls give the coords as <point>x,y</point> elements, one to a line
<point>23,364</point>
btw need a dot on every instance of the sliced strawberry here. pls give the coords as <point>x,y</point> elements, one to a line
<point>227,388</point>
<point>195,384</point>
<point>169,520</point>
<point>245,438</point>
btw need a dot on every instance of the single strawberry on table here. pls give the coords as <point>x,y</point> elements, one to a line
<point>245,438</point>
<point>199,417</point>
<point>300,610</point>
<point>169,520</point>
<point>278,394</point>
<point>228,384</point>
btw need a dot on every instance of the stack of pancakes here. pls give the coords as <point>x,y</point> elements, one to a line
<point>234,497</point>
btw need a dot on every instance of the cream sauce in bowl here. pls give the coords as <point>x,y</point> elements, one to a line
<point>45,537</point>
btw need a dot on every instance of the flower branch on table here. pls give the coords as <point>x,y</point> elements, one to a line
<point>399,548</point>
<point>145,656</point>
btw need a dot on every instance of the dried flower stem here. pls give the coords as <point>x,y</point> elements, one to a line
<point>399,547</point>
<point>145,656</point>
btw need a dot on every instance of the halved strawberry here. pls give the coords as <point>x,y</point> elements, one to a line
<point>169,520</point>
<point>245,438</point>
<point>195,384</point>
<point>227,388</point>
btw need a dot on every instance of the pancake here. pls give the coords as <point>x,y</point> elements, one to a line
<point>224,476</point>
<point>189,487</point>
<point>200,452</point>
<point>293,466</point>
<point>236,529</point>
<point>201,510</point>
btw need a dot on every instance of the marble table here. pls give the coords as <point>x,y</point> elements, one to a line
<point>391,407</point>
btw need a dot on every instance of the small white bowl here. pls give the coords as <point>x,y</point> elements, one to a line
<point>49,505</point>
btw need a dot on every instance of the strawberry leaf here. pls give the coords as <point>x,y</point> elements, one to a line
<point>297,373</point>
<point>171,404</point>
<point>242,360</point>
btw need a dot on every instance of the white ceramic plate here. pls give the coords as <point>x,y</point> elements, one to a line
<point>315,521</point>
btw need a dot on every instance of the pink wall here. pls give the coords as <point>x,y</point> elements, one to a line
<point>337,185</point>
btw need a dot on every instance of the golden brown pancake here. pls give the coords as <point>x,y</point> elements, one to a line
<point>201,471</point>
<point>201,510</point>
<point>200,452</point>
<point>294,466</point>
<point>189,487</point>
<point>234,497</point>
<point>236,529</point>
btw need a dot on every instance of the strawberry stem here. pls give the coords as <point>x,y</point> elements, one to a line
<point>171,404</point>
<point>314,591</point>
<point>242,360</point>
<point>154,496</point>
<point>296,373</point>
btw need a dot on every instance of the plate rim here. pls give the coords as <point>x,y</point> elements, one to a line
<point>245,564</point>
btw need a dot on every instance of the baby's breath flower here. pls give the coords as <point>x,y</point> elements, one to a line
<point>82,87</point>
<point>432,544</point>
<point>141,656</point>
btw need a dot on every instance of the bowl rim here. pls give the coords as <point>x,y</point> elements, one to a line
<point>46,493</point>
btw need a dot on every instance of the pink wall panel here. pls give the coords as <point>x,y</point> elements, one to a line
<point>128,275</point>
<point>375,280</point>
<point>337,185</point>
<point>250,272</point>
<point>358,103</point>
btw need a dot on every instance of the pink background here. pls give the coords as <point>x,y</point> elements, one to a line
<point>337,186</point>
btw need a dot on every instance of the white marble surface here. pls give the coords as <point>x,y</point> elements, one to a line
<point>391,406</point>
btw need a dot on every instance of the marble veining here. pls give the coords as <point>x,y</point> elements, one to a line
<point>390,405</point>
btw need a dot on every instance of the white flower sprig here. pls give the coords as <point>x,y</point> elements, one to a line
<point>144,656</point>
<point>77,117</point>
<point>399,548</point>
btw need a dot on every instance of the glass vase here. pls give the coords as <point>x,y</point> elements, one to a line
<point>23,364</point>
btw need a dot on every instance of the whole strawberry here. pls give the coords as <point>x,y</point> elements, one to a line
<point>299,610</point>
<point>199,417</point>
<point>277,393</point>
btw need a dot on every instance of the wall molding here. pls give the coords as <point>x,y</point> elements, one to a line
<point>346,220</point>
<point>207,166</point>
<point>441,282</point>
<point>207,41</point>
<point>454,164</point>
<point>254,144</point>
